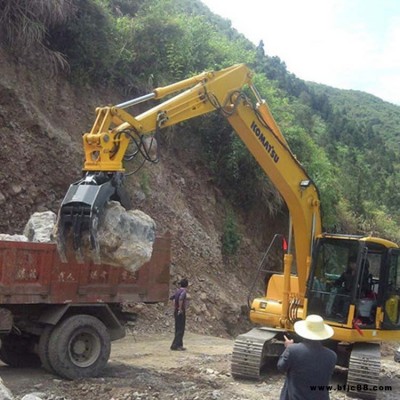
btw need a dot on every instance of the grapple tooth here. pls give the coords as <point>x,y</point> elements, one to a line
<point>76,230</point>
<point>60,239</point>
<point>94,243</point>
<point>81,209</point>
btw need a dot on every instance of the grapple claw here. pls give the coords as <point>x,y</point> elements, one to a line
<point>81,209</point>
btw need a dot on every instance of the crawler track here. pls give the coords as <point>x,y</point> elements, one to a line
<point>251,350</point>
<point>364,369</point>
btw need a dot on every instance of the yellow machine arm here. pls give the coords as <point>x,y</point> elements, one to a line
<point>107,143</point>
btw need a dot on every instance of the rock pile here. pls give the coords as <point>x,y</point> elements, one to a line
<point>125,238</point>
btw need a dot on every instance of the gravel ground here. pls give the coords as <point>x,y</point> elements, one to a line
<point>142,367</point>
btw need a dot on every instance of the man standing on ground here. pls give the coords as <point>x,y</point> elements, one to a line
<point>308,365</point>
<point>180,300</point>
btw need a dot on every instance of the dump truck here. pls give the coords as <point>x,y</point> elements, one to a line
<point>64,316</point>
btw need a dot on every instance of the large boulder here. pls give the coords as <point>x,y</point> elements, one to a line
<point>125,238</point>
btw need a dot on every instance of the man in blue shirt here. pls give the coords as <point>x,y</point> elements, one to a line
<point>180,300</point>
<point>308,365</point>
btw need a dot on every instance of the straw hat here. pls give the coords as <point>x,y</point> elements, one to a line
<point>313,328</point>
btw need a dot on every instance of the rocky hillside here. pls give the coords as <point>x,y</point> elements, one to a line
<point>42,118</point>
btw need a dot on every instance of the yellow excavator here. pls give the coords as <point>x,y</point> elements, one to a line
<point>362,316</point>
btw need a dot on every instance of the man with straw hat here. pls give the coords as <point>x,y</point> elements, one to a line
<point>308,365</point>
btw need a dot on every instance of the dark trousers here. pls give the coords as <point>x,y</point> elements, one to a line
<point>180,322</point>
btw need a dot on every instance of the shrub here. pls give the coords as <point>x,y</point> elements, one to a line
<point>230,236</point>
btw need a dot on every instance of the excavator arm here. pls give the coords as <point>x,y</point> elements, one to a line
<point>106,144</point>
<point>106,147</point>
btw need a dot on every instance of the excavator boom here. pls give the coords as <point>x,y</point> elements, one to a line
<point>107,144</point>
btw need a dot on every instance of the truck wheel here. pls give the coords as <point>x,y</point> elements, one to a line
<point>16,352</point>
<point>79,347</point>
<point>43,348</point>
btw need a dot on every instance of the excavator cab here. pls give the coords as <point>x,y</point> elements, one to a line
<point>363,309</point>
<point>355,282</point>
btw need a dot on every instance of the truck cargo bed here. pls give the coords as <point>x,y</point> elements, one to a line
<point>32,273</point>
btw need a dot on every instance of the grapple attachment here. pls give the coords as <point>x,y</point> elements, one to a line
<point>81,210</point>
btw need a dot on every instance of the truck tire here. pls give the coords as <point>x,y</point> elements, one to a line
<point>43,348</point>
<point>79,347</point>
<point>16,352</point>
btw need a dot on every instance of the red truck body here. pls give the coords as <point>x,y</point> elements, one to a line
<point>33,273</point>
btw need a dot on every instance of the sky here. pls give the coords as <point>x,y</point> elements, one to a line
<point>346,44</point>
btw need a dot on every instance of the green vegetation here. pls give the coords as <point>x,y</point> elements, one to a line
<point>144,183</point>
<point>24,26</point>
<point>230,235</point>
<point>348,141</point>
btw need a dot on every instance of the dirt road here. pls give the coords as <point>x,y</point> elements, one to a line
<point>143,367</point>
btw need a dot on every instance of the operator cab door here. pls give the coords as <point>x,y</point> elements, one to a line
<point>390,291</point>
<point>339,279</point>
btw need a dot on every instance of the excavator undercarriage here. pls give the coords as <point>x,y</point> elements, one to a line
<point>364,369</point>
<point>261,347</point>
<point>253,349</point>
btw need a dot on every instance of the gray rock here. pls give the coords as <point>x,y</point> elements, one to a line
<point>396,355</point>
<point>33,396</point>
<point>13,238</point>
<point>40,227</point>
<point>5,393</point>
<point>126,238</point>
